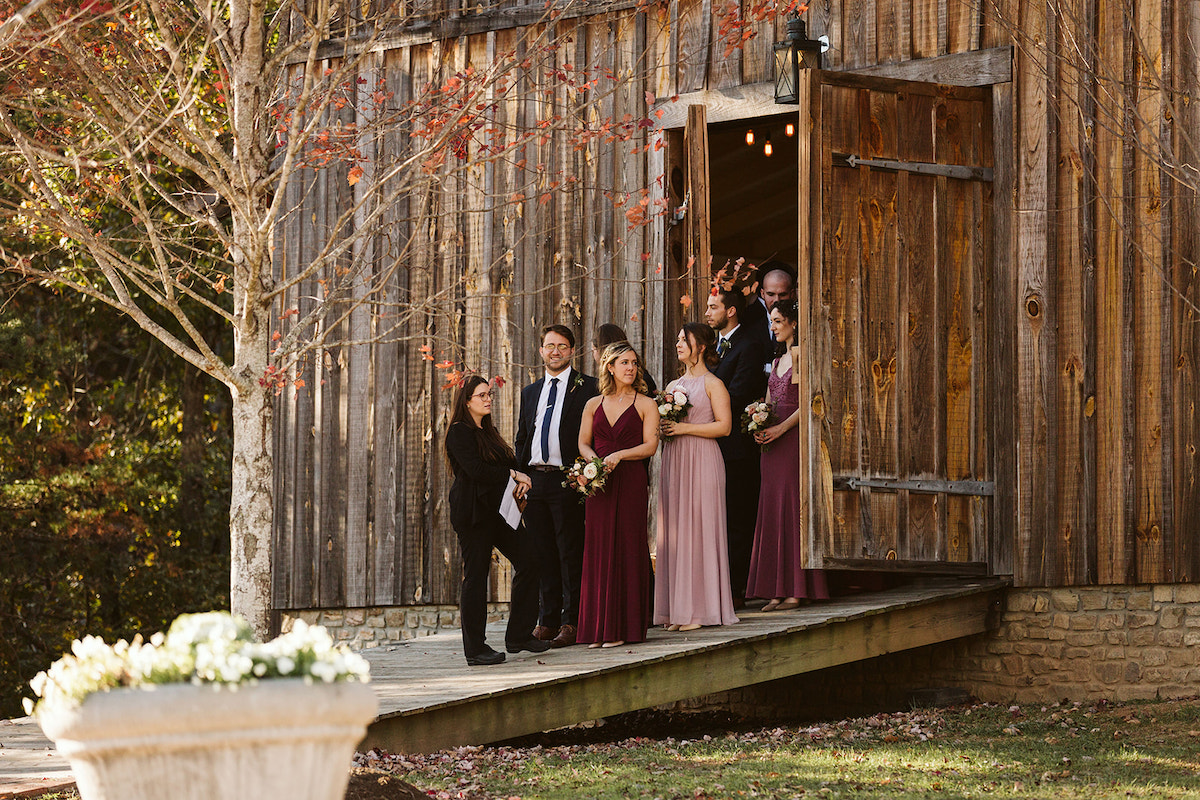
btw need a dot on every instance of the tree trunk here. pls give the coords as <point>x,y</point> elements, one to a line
<point>251,506</point>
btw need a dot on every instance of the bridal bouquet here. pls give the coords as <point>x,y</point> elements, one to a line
<point>672,406</point>
<point>758,417</point>
<point>586,476</point>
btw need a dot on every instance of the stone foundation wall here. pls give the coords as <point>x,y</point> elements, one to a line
<point>1086,643</point>
<point>364,628</point>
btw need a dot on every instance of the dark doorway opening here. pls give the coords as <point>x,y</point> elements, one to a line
<point>753,196</point>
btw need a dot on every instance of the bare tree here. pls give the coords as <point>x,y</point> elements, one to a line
<point>152,150</point>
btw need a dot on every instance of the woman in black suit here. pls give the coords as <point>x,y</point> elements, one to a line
<point>482,463</point>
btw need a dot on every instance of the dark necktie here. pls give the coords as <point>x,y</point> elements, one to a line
<point>722,348</point>
<point>546,417</point>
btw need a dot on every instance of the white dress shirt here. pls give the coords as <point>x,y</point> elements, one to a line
<point>554,457</point>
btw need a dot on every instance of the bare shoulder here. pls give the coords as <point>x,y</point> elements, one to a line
<point>593,403</point>
<point>646,405</point>
<point>712,383</point>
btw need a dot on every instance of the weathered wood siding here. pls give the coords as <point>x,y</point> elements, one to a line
<point>1092,329</point>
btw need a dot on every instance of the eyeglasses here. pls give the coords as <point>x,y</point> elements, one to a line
<point>483,395</point>
<point>559,347</point>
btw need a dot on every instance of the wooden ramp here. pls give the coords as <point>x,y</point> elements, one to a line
<point>430,699</point>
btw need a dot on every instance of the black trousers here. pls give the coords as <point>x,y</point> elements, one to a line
<point>554,517</point>
<point>743,478</point>
<point>476,544</point>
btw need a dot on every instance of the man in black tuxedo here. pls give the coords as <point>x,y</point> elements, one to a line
<point>740,368</point>
<point>548,440</point>
<point>777,282</point>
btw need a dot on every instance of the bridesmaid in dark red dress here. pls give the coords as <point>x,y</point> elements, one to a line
<point>621,427</point>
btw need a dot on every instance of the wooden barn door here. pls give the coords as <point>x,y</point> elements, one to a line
<point>895,207</point>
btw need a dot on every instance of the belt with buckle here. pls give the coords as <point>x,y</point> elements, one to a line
<point>545,468</point>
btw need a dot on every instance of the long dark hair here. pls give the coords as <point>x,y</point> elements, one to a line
<point>700,335</point>
<point>790,310</point>
<point>493,448</point>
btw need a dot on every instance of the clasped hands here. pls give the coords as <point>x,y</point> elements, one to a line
<point>768,435</point>
<point>523,484</point>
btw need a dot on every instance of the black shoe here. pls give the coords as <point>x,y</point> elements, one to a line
<point>485,659</point>
<point>532,645</point>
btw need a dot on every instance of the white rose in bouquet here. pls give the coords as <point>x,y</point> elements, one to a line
<point>760,417</point>
<point>680,398</point>
<point>664,409</point>
<point>590,472</point>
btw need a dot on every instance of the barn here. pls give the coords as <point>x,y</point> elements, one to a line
<point>993,211</point>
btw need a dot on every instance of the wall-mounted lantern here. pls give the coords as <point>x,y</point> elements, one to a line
<point>793,53</point>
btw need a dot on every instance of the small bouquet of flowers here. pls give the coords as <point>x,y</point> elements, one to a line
<point>672,406</point>
<point>586,476</point>
<point>757,417</point>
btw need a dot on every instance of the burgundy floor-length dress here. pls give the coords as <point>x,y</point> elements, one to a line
<point>691,584</point>
<point>614,601</point>
<point>775,569</point>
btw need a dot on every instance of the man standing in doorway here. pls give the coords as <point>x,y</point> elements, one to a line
<point>548,440</point>
<point>740,368</point>
<point>777,282</point>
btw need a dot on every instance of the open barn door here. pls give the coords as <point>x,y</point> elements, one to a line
<point>894,246</point>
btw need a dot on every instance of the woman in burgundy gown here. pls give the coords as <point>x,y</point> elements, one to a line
<point>621,427</point>
<point>776,572</point>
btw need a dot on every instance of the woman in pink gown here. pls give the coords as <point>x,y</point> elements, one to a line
<point>691,586</point>
<point>621,427</point>
<point>776,572</point>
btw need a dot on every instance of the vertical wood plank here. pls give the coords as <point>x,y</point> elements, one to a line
<point>816,539</point>
<point>1036,344</point>
<point>699,234</point>
<point>1002,424</point>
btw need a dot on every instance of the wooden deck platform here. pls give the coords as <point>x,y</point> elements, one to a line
<point>430,699</point>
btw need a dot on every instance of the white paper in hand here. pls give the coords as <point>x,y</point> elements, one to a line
<point>508,506</point>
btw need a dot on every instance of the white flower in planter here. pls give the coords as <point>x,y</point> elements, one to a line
<point>214,647</point>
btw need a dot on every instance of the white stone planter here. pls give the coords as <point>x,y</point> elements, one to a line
<point>276,739</point>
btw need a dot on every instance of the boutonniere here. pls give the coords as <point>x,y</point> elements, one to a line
<point>575,384</point>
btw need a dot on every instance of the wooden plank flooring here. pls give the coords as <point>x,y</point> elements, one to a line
<point>430,699</point>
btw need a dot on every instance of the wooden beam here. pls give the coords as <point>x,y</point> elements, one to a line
<point>718,667</point>
<point>964,568</point>
<point>978,68</point>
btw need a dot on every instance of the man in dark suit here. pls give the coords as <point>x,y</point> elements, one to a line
<point>777,282</point>
<point>741,356</point>
<point>548,440</point>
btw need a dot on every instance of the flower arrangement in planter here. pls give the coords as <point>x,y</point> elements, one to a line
<point>238,717</point>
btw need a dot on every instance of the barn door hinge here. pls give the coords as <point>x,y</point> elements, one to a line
<point>920,167</point>
<point>983,488</point>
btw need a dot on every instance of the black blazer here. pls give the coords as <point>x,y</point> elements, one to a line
<point>581,389</point>
<point>478,485</point>
<point>741,370</point>
<point>757,320</point>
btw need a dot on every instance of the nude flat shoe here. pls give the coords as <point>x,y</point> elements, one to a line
<point>612,644</point>
<point>691,627</point>
<point>594,645</point>
<point>671,627</point>
<point>788,605</point>
<point>772,605</point>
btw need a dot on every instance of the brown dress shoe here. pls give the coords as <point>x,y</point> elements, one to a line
<point>544,633</point>
<point>565,638</point>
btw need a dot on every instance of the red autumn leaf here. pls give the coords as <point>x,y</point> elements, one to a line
<point>649,98</point>
<point>685,301</point>
<point>444,364</point>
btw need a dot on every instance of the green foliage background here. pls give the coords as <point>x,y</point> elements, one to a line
<point>114,482</point>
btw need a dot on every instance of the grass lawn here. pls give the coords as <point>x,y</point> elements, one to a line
<point>1059,751</point>
<point>1099,752</point>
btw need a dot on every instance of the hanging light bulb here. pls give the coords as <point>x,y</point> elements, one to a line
<point>750,136</point>
<point>790,130</point>
<point>767,149</point>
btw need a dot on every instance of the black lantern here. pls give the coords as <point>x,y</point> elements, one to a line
<point>794,52</point>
